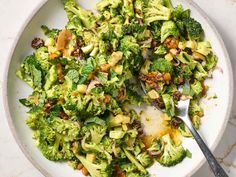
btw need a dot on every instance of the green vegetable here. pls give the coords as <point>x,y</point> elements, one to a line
<point>86,17</point>
<point>172,154</point>
<point>156,11</point>
<point>194,29</point>
<point>162,65</point>
<point>169,28</point>
<point>169,104</point>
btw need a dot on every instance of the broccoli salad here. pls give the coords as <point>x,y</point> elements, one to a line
<point>85,77</point>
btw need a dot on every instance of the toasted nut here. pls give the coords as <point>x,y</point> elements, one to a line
<point>105,67</point>
<point>171,42</point>
<point>80,166</point>
<point>85,171</point>
<point>74,94</point>
<point>167,77</point>
<point>107,98</point>
<point>91,75</point>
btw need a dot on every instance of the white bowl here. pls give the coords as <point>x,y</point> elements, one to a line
<point>52,14</point>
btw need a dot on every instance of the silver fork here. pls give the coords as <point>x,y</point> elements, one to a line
<point>183,106</point>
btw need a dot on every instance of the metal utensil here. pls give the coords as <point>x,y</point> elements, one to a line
<point>183,106</point>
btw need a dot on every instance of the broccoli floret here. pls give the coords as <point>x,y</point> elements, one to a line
<point>195,112</point>
<point>145,159</point>
<point>128,8</point>
<point>169,28</point>
<point>59,149</point>
<point>107,3</point>
<point>162,65</point>
<point>41,54</point>
<point>67,128</point>
<point>184,130</point>
<point>86,17</point>
<point>51,77</point>
<point>156,11</point>
<point>135,161</point>
<point>161,50</point>
<point>156,147</point>
<point>99,149</point>
<point>96,132</point>
<point>169,104</point>
<point>194,29</point>
<point>54,140</point>
<point>200,74</point>
<point>177,12</point>
<point>128,167</point>
<point>131,28</point>
<point>167,3</point>
<point>172,154</point>
<point>129,44</point>
<point>50,33</point>
<point>131,174</point>
<point>204,48</point>
<point>138,8</point>
<point>95,169</point>
<point>211,61</point>
<point>31,72</point>
<point>196,87</point>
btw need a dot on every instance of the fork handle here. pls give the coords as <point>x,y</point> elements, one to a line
<point>215,166</point>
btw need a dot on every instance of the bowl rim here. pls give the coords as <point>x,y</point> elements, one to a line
<point>42,170</point>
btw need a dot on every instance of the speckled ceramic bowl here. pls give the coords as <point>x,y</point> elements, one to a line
<point>52,14</point>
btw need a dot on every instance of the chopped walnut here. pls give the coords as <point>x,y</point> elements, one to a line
<point>171,42</point>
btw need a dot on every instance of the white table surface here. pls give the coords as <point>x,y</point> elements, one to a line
<point>13,14</point>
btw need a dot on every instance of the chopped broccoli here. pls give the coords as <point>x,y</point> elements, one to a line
<point>195,112</point>
<point>161,50</point>
<point>96,132</point>
<point>128,8</point>
<point>200,74</point>
<point>211,61</point>
<point>156,147</point>
<point>196,87</point>
<point>129,44</point>
<point>194,29</point>
<point>204,47</point>
<point>156,11</point>
<point>169,28</point>
<point>95,170</point>
<point>145,159</point>
<point>86,17</point>
<point>135,161</point>
<point>162,65</point>
<point>169,104</point>
<point>172,154</point>
<point>107,3</point>
<point>51,33</point>
<point>31,72</point>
